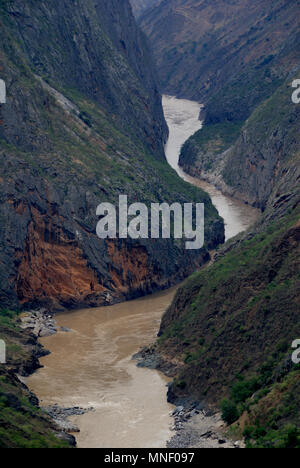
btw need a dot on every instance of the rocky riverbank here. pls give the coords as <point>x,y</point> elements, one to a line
<point>40,323</point>
<point>194,425</point>
<point>61,416</point>
<point>197,428</point>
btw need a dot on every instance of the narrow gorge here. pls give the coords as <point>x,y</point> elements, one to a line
<point>93,362</point>
<point>113,341</point>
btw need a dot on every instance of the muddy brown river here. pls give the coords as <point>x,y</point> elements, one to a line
<point>91,366</point>
<point>182,118</point>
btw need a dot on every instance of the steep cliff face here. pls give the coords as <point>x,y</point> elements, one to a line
<point>200,46</point>
<point>97,49</point>
<point>82,124</point>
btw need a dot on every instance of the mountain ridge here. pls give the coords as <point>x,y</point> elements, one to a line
<point>198,46</point>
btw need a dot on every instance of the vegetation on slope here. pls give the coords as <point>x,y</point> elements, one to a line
<point>269,141</point>
<point>232,326</point>
<point>210,142</point>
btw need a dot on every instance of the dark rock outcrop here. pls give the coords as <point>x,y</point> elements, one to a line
<point>94,48</point>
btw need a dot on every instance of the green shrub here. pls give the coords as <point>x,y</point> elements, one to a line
<point>258,437</point>
<point>244,389</point>
<point>181,384</point>
<point>230,413</point>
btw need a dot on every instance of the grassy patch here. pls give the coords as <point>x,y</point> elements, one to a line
<point>23,425</point>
